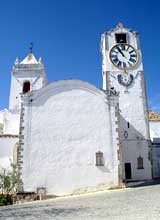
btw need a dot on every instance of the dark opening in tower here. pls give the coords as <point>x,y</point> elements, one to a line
<point>26,87</point>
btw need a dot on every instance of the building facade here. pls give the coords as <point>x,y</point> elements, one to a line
<point>69,136</point>
<point>122,69</point>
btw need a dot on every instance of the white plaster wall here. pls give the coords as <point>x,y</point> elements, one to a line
<point>11,121</point>
<point>132,104</point>
<point>6,150</point>
<point>155,138</point>
<point>65,125</point>
<point>154,130</point>
<point>11,127</point>
<point>131,151</point>
<point>15,90</point>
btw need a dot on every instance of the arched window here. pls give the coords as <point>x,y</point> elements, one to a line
<point>26,87</point>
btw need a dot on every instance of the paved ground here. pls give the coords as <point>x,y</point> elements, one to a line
<point>128,204</point>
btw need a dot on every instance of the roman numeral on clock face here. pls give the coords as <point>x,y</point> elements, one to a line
<point>131,51</point>
<point>119,63</point>
<point>115,60</point>
<point>133,55</point>
<point>124,65</point>
<point>132,60</point>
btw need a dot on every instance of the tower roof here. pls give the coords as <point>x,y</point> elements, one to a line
<point>120,27</point>
<point>30,59</point>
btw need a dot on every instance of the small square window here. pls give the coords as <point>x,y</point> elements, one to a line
<point>121,38</point>
<point>99,159</point>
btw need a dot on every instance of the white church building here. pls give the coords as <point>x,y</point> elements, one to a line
<point>69,136</point>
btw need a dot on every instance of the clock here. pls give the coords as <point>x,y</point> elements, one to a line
<point>123,56</point>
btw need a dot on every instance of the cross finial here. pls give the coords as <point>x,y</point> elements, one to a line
<point>120,25</point>
<point>31,47</point>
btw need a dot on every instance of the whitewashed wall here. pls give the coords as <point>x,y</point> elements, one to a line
<point>66,123</point>
<point>10,120</point>
<point>6,150</point>
<point>154,130</point>
<point>155,138</point>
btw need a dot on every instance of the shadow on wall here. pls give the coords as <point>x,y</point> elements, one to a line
<point>104,169</point>
<point>129,133</point>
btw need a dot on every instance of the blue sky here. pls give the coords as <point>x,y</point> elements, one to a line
<point>66,34</point>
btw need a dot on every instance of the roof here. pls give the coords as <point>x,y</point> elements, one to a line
<point>153,116</point>
<point>30,59</point>
<point>120,27</point>
<point>60,86</point>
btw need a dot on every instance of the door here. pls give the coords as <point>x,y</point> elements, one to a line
<point>128,170</point>
<point>156,168</point>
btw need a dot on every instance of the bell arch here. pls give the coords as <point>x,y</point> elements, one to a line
<point>26,86</point>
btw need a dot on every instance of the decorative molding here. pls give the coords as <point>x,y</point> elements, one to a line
<point>125,80</point>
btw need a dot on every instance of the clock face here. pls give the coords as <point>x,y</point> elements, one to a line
<point>123,56</point>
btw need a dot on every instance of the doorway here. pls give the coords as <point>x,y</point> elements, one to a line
<point>128,170</point>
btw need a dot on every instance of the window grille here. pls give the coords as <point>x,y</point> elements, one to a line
<point>99,159</point>
<point>140,163</point>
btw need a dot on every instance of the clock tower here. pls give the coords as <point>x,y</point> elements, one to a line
<point>122,70</point>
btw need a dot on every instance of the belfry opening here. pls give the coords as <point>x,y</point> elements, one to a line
<point>26,87</point>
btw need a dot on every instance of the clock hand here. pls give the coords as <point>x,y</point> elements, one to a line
<point>120,51</point>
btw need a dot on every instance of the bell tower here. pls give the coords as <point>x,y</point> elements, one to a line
<point>122,70</point>
<point>27,76</point>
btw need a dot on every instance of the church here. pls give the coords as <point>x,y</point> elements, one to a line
<point>70,137</point>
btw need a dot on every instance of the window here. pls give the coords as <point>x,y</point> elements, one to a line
<point>99,159</point>
<point>121,38</point>
<point>26,87</point>
<point>1,128</point>
<point>140,163</point>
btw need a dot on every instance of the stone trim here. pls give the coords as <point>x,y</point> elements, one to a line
<point>20,148</point>
<point>9,136</point>
<point>119,146</point>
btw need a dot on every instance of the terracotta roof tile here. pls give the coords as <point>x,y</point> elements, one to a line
<point>153,116</point>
